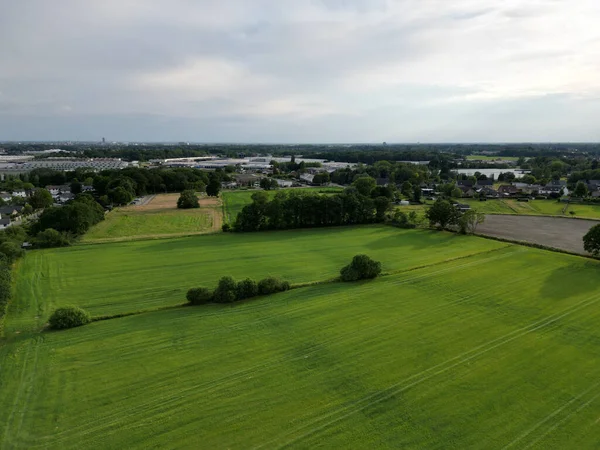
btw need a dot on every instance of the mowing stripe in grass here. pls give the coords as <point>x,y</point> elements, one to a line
<point>425,375</point>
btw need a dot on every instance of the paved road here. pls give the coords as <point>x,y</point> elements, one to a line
<point>564,234</point>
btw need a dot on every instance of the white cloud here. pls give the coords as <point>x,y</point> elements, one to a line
<point>337,68</point>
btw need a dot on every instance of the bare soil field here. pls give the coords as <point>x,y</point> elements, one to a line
<point>564,234</point>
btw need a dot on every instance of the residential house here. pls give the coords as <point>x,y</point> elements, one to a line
<point>284,183</point>
<point>10,211</point>
<point>489,192</point>
<point>484,183</point>
<point>462,207</point>
<point>467,191</point>
<point>4,223</point>
<point>19,193</point>
<point>229,184</point>
<point>5,196</point>
<point>508,190</point>
<point>87,188</point>
<point>64,198</point>
<point>307,177</point>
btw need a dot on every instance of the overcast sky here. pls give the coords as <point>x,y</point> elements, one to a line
<point>300,71</point>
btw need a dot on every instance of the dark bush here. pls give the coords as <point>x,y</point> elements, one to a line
<point>247,289</point>
<point>51,238</point>
<point>362,267</point>
<point>69,317</point>
<point>272,285</point>
<point>226,291</point>
<point>188,199</point>
<point>226,227</point>
<point>199,296</point>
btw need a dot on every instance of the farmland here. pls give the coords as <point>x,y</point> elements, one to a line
<point>129,276</point>
<point>234,201</point>
<point>531,208</point>
<point>159,218</point>
<point>435,354</point>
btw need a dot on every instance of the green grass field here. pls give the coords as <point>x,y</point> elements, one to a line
<point>234,201</point>
<point>129,276</point>
<point>494,350</point>
<point>131,224</point>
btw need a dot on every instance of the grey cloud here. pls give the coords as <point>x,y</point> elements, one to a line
<point>332,70</point>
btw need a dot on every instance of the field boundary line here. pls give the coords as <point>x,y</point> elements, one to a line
<point>422,376</point>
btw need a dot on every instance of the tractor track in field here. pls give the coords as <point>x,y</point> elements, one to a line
<point>173,398</point>
<point>343,412</point>
<point>553,414</point>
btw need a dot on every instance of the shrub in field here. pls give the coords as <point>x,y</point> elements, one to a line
<point>69,317</point>
<point>362,267</point>
<point>226,227</point>
<point>199,296</point>
<point>226,291</point>
<point>187,200</point>
<point>247,289</point>
<point>591,241</point>
<point>272,285</point>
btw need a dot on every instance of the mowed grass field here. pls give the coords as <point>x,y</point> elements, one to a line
<point>234,201</point>
<point>494,350</point>
<point>129,276</point>
<point>159,218</point>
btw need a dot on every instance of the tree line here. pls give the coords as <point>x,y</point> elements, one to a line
<point>360,204</point>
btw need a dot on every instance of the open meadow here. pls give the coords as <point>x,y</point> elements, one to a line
<point>465,343</point>
<point>159,218</point>
<point>234,201</point>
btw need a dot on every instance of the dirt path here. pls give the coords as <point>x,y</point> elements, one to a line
<point>556,232</point>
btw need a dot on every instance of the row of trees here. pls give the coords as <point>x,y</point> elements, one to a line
<point>301,210</point>
<point>229,291</point>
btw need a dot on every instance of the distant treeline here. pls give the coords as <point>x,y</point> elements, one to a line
<point>355,153</point>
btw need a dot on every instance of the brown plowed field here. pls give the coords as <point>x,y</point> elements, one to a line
<point>564,234</point>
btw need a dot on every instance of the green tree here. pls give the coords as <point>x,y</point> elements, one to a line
<point>581,190</point>
<point>362,267</point>
<point>456,192</point>
<point>76,187</point>
<point>364,185</point>
<point>268,183</point>
<point>188,199</point>
<point>213,188</point>
<point>12,250</point>
<point>320,178</point>
<point>469,221</point>
<point>247,289</point>
<point>68,317</point>
<point>51,238</point>
<point>407,189</point>
<point>591,240</point>
<point>271,285</point>
<point>120,195</point>
<point>226,291</point>
<point>41,198</point>
<point>382,206</point>
<point>417,194</point>
<point>199,296</point>
<point>442,213</point>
